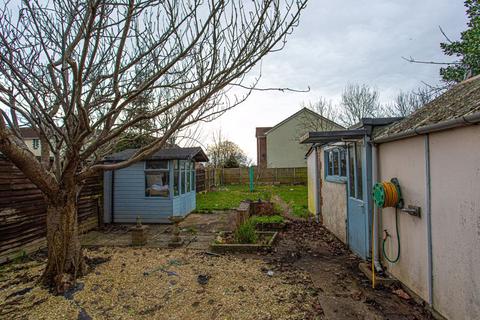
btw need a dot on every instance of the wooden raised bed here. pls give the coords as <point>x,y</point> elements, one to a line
<point>247,247</point>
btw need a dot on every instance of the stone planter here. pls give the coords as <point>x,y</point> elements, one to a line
<point>269,238</point>
<point>261,208</point>
<point>139,235</point>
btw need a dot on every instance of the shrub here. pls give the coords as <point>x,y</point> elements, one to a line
<point>267,196</point>
<point>245,233</point>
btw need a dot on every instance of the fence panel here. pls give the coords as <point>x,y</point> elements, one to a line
<point>23,210</point>
<point>222,176</point>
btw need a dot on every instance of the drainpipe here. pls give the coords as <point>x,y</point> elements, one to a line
<point>376,217</point>
<point>318,186</point>
<point>428,216</point>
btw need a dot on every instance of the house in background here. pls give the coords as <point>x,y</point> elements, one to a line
<point>435,155</point>
<point>278,146</point>
<point>162,186</point>
<point>32,140</point>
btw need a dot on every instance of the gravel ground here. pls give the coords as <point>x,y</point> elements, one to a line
<point>128,283</point>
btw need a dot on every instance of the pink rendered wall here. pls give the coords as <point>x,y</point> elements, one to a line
<point>455,179</point>
<point>404,159</point>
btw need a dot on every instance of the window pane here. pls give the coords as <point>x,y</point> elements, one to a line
<point>156,164</point>
<point>335,162</point>
<point>358,150</point>
<point>192,173</point>
<point>176,191</point>
<point>194,181</point>
<point>189,173</point>
<point>329,163</point>
<point>182,177</point>
<point>156,184</point>
<point>343,163</point>
<point>351,173</point>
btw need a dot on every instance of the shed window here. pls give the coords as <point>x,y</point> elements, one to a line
<point>193,176</point>
<point>176,177</point>
<point>157,178</point>
<point>182,176</point>
<point>189,176</point>
<point>336,164</point>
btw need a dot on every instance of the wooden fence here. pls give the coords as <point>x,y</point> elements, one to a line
<point>23,211</point>
<point>208,177</point>
<point>205,179</point>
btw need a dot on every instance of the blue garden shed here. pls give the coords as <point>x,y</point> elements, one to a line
<point>153,190</point>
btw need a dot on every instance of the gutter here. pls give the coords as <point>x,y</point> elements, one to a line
<point>463,121</point>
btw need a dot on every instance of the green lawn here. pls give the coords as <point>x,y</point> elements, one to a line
<point>230,196</point>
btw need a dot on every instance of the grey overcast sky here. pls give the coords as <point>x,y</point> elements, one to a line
<point>340,42</point>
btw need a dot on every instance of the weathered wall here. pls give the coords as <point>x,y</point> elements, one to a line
<point>29,142</point>
<point>404,159</point>
<point>333,204</point>
<point>455,217</point>
<point>283,147</point>
<point>455,178</point>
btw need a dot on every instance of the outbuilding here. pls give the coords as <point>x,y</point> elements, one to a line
<point>340,169</point>
<point>153,190</point>
<point>430,161</point>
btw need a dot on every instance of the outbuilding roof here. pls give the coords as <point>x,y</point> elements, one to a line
<point>193,153</point>
<point>463,100</point>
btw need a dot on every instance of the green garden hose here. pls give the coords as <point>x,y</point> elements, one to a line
<point>398,241</point>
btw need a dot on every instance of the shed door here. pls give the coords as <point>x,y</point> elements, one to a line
<point>356,215</point>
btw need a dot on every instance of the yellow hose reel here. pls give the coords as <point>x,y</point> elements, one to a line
<point>387,194</point>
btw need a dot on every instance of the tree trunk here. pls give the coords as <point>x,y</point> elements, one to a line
<point>65,259</point>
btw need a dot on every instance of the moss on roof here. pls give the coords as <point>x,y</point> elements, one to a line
<point>462,100</point>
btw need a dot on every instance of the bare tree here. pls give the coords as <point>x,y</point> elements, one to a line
<point>357,102</point>
<point>325,109</point>
<point>74,70</point>
<point>406,103</point>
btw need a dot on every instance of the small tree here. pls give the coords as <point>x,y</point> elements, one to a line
<point>357,102</point>
<point>75,71</point>
<point>467,49</point>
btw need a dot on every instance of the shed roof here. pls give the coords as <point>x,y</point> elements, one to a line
<point>193,153</point>
<point>460,101</point>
